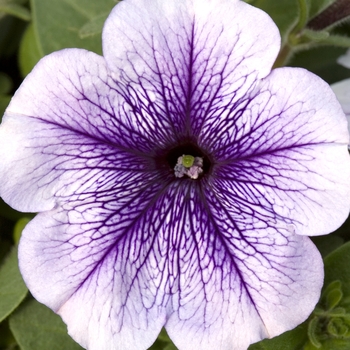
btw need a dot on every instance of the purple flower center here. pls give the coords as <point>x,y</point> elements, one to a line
<point>166,159</point>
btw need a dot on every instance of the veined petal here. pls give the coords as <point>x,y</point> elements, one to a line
<point>124,247</point>
<point>286,152</point>
<point>181,61</point>
<point>245,278</point>
<point>61,130</point>
<point>260,289</point>
<point>100,262</point>
<point>108,264</point>
<point>119,272</point>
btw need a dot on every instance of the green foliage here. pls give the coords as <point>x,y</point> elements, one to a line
<point>9,213</point>
<point>58,23</point>
<point>292,340</point>
<point>327,67</point>
<point>4,102</point>
<point>295,20</point>
<point>317,6</point>
<point>328,327</point>
<point>36,327</point>
<point>163,342</point>
<point>283,12</point>
<point>7,341</point>
<point>326,244</point>
<point>20,225</point>
<point>15,8</point>
<point>5,88</point>
<point>337,268</point>
<point>5,83</point>
<point>93,27</point>
<point>12,287</point>
<point>29,51</point>
<point>11,29</point>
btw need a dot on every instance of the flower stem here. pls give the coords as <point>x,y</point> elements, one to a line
<point>303,17</point>
<point>283,57</point>
<point>287,50</point>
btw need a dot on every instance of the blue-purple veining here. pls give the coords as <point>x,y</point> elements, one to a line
<point>121,246</point>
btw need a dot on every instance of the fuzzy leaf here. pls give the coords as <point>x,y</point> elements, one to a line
<point>317,6</point>
<point>283,12</point>
<point>29,51</point>
<point>93,27</point>
<point>36,327</point>
<point>5,83</point>
<point>337,268</point>
<point>58,23</point>
<point>12,287</point>
<point>15,10</point>
<point>292,340</point>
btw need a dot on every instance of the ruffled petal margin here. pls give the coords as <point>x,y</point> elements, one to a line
<point>116,274</point>
<point>119,250</point>
<point>181,58</point>
<point>285,152</point>
<point>63,129</point>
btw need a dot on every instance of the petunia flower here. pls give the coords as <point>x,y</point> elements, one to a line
<point>176,179</point>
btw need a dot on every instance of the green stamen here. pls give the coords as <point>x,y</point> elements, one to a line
<point>187,161</point>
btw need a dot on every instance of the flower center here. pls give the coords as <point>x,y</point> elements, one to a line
<point>189,165</point>
<point>188,160</point>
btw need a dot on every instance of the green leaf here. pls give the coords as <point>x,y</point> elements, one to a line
<point>335,285</point>
<point>333,298</point>
<point>20,225</point>
<point>284,13</point>
<point>58,23</point>
<point>18,2</point>
<point>309,35</point>
<point>29,51</point>
<point>5,247</point>
<point>15,10</point>
<point>12,288</point>
<point>337,327</point>
<point>7,212</point>
<point>312,332</point>
<point>7,341</point>
<point>337,268</point>
<point>93,27</point>
<point>170,346</point>
<point>333,344</point>
<point>317,6</point>
<point>35,327</point>
<point>10,35</point>
<point>4,102</point>
<point>163,335</point>
<point>163,342</point>
<point>337,40</point>
<point>291,340</point>
<point>5,83</point>
<point>326,244</point>
<point>327,67</point>
<point>337,271</point>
